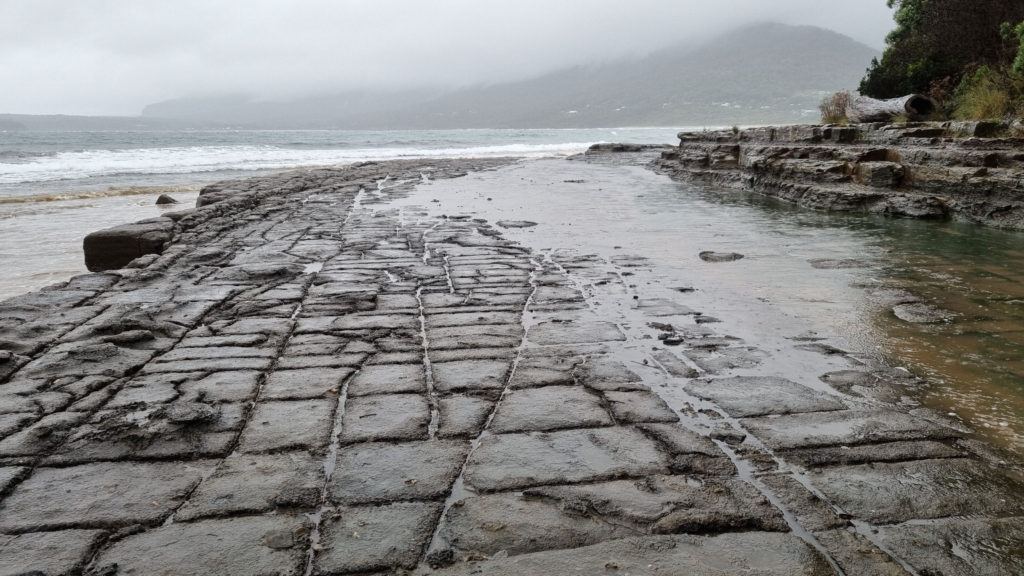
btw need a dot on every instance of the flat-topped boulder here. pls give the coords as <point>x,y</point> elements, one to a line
<point>115,247</point>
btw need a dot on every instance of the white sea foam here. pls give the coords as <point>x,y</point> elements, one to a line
<point>200,159</point>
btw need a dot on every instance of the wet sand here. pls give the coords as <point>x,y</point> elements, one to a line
<point>399,368</point>
<point>41,241</point>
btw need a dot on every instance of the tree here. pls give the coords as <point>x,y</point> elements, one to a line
<point>940,40</point>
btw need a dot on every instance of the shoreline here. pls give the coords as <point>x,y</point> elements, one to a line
<point>310,343</point>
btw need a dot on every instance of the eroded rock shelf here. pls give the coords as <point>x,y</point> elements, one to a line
<point>972,171</point>
<point>307,380</point>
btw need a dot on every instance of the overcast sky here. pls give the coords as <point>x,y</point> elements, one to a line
<point>116,56</point>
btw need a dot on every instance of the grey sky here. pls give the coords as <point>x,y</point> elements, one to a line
<point>116,56</point>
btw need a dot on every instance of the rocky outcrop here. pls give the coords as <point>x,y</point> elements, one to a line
<point>967,170</point>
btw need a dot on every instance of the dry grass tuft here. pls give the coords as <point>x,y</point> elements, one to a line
<point>833,108</point>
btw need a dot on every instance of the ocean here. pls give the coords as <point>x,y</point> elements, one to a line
<point>56,187</point>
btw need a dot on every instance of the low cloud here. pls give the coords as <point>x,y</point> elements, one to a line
<point>114,57</point>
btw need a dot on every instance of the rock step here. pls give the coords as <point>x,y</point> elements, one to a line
<point>924,170</point>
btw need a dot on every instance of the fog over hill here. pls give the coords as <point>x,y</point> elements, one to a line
<point>761,73</point>
<point>765,73</point>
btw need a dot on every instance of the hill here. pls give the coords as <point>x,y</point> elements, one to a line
<point>758,74</point>
<point>766,73</point>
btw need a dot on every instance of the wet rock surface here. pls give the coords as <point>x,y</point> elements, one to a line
<point>313,378</point>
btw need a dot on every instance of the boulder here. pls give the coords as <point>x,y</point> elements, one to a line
<point>114,248</point>
<point>165,199</point>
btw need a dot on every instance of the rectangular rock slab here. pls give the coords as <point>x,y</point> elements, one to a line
<point>182,444</point>
<point>515,461</point>
<point>217,352</point>
<point>375,538</point>
<point>765,554</point>
<point>385,417</point>
<point>549,408</point>
<point>208,365</point>
<point>508,521</point>
<point>321,361</point>
<point>663,307</point>
<point>222,387</point>
<point>245,546</point>
<point>462,416</point>
<point>670,504</point>
<point>959,546</point>
<point>472,319</point>
<point>640,407</point>
<point>864,453</point>
<point>544,371</point>
<point>680,440</point>
<point>746,396</point>
<point>603,373</point>
<point>856,555</point>
<point>46,553</point>
<point>846,427</point>
<point>674,365</point>
<point>813,513</point>
<point>371,473</point>
<point>547,333</point>
<point>388,379</point>
<point>279,425</point>
<point>106,494</point>
<point>470,375</point>
<point>887,493</point>
<point>304,383</point>
<point>86,359</point>
<point>369,322</point>
<point>484,336</point>
<point>257,483</point>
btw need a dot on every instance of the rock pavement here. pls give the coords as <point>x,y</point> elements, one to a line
<point>307,380</point>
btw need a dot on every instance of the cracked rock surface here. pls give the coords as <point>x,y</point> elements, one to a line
<point>313,378</point>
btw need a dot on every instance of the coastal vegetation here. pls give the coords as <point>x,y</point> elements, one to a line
<point>833,108</point>
<point>968,55</point>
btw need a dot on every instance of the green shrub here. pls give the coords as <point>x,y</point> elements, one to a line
<point>1018,61</point>
<point>984,95</point>
<point>938,39</point>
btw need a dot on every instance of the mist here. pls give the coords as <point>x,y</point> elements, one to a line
<point>107,57</point>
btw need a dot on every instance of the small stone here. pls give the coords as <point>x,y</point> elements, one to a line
<point>708,256</point>
<point>515,223</point>
<point>920,313</point>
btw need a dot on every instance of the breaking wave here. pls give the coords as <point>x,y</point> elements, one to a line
<point>85,164</point>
